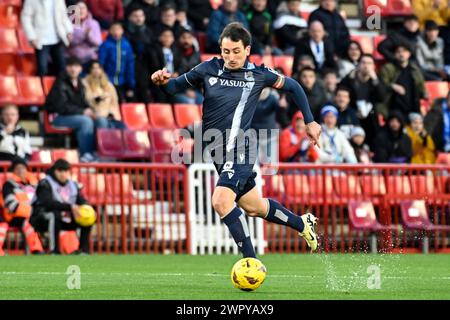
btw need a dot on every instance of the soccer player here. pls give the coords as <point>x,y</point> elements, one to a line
<point>232,86</point>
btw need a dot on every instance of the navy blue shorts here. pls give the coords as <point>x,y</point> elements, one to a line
<point>237,175</point>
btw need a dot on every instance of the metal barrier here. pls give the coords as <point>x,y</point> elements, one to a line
<point>327,190</point>
<point>165,208</point>
<point>141,207</point>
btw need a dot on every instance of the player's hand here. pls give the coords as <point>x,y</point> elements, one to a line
<point>313,130</point>
<point>161,77</point>
<point>75,210</point>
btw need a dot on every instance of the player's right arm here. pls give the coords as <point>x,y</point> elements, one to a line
<point>180,84</point>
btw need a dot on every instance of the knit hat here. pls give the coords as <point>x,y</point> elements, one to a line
<point>329,108</point>
<point>358,131</point>
<point>413,116</point>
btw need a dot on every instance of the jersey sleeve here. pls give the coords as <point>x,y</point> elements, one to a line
<point>196,74</point>
<point>273,79</point>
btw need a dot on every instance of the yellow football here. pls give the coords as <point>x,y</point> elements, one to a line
<point>87,216</point>
<point>248,274</point>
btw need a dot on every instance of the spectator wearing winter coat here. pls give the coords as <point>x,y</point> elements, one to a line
<point>430,53</point>
<point>350,60</point>
<point>150,8</point>
<point>334,146</point>
<point>294,143</point>
<point>48,29</point>
<point>227,13</point>
<point>436,10</point>
<point>106,11</point>
<point>140,37</point>
<point>117,59</point>
<point>362,150</point>
<point>87,36</point>
<point>317,46</point>
<point>333,23</point>
<point>14,140</point>
<point>289,26</point>
<point>198,13</point>
<point>347,118</point>
<point>260,23</point>
<point>423,148</point>
<point>392,145</point>
<point>437,123</point>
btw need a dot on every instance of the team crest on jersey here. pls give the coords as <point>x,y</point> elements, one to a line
<point>212,81</point>
<point>249,76</point>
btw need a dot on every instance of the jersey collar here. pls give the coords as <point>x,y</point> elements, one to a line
<point>247,66</point>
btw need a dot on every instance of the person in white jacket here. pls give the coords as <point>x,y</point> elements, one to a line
<point>334,146</point>
<point>48,29</point>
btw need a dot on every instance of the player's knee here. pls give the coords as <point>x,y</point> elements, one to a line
<point>255,209</point>
<point>221,205</point>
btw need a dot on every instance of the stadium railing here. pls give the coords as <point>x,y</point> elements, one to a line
<point>166,208</point>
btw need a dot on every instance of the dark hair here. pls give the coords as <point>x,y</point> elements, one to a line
<point>367,55</point>
<point>342,88</point>
<point>91,64</point>
<point>133,8</point>
<point>346,56</point>
<point>328,71</point>
<point>411,17</point>
<point>168,7</point>
<point>61,165</point>
<point>73,61</point>
<point>404,45</point>
<point>116,23</point>
<point>15,161</point>
<point>302,70</point>
<point>236,32</point>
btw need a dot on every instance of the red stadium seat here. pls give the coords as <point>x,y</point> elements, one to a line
<point>365,42</point>
<point>50,129</point>
<point>25,46</point>
<point>31,92</point>
<point>415,217</point>
<point>388,8</point>
<point>110,143</point>
<point>422,185</point>
<point>398,185</point>
<point>70,155</point>
<point>9,16</point>
<point>8,65</point>
<point>187,114</point>
<point>137,144</point>
<point>8,41</point>
<point>9,93</point>
<point>319,191</point>
<point>161,115</point>
<point>27,64</point>
<point>47,84</point>
<point>376,41</point>
<point>436,89</point>
<point>443,158</point>
<point>93,187</point>
<point>41,156</point>
<point>285,63</point>
<point>163,141</point>
<point>347,186</point>
<point>256,59</point>
<point>16,3</point>
<point>296,188</point>
<point>135,116</point>
<point>115,193</point>
<point>362,217</point>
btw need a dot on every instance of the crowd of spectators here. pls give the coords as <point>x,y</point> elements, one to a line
<point>351,93</point>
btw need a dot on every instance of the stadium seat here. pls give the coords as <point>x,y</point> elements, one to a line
<point>267,60</point>
<point>110,143</point>
<point>285,63</point>
<point>27,64</point>
<point>347,186</point>
<point>93,187</point>
<point>186,114</point>
<point>50,129</point>
<point>8,41</point>
<point>415,217</point>
<point>373,185</point>
<point>163,141</point>
<point>115,193</point>
<point>135,116</point>
<point>9,16</point>
<point>70,155</point>
<point>161,116</point>
<point>137,144</point>
<point>436,89</point>
<point>24,44</point>
<point>16,3</point>
<point>398,185</point>
<point>376,41</point>
<point>365,42</point>
<point>256,59</point>
<point>41,156</point>
<point>8,66</point>
<point>388,8</point>
<point>47,84</point>
<point>31,92</point>
<point>320,191</point>
<point>296,188</point>
<point>9,93</point>
<point>443,158</point>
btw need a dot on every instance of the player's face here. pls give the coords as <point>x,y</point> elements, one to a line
<point>234,53</point>
<point>62,175</point>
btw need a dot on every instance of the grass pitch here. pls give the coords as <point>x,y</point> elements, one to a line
<point>299,277</point>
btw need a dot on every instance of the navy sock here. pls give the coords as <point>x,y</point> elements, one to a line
<point>238,227</point>
<point>280,215</point>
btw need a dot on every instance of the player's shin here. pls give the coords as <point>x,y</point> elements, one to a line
<point>280,215</point>
<point>236,223</point>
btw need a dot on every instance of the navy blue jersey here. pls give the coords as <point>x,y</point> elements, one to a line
<point>231,96</point>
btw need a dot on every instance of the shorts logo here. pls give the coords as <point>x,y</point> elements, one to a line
<point>212,81</point>
<point>242,157</point>
<point>228,167</point>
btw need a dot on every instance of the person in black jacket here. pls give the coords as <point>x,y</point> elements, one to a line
<point>317,46</point>
<point>140,37</point>
<point>289,26</point>
<point>163,54</point>
<point>260,23</point>
<point>437,122</point>
<point>57,204</point>
<point>407,35</point>
<point>347,118</point>
<point>392,145</point>
<point>198,13</point>
<point>333,23</point>
<point>67,99</point>
<point>151,10</point>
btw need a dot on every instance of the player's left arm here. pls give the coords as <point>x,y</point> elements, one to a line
<point>280,82</point>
